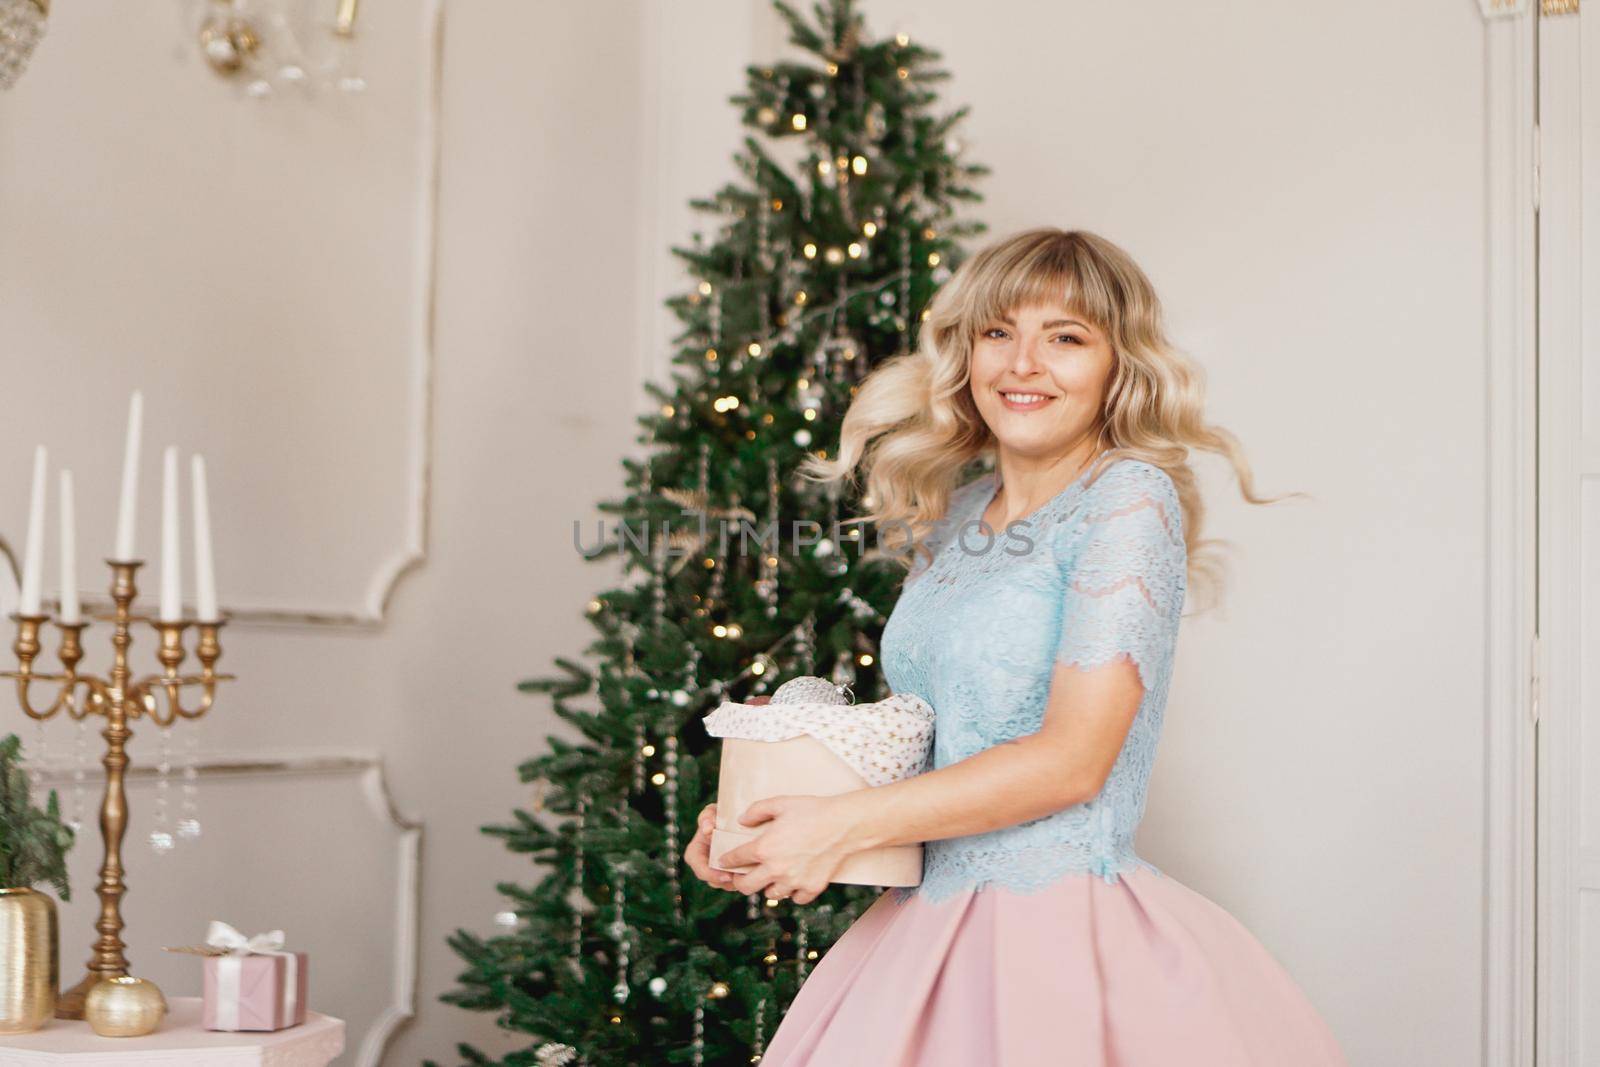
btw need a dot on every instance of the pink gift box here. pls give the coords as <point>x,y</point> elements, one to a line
<point>261,991</point>
<point>754,770</point>
<point>819,748</point>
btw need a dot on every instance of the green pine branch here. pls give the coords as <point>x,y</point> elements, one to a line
<point>797,259</point>
<point>33,843</point>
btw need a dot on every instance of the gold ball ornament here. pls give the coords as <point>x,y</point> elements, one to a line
<point>124,1006</point>
<point>227,42</point>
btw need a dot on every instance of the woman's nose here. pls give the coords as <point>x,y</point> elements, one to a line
<point>1025,358</point>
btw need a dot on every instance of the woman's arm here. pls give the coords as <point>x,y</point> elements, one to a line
<point>806,838</point>
<point>1121,599</point>
<point>1120,607</point>
<point>1066,762</point>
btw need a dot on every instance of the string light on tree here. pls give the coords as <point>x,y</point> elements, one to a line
<point>812,268</point>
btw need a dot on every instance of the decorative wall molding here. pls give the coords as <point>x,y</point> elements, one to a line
<point>425,315</point>
<point>368,769</point>
<point>389,570</point>
<point>413,551</point>
<point>1500,9</point>
<point>1510,294</point>
<point>403,995</point>
<point>1566,978</point>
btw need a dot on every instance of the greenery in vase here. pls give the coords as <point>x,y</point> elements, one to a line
<point>33,843</point>
<point>825,252</point>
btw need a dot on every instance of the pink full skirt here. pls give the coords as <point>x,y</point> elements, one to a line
<point>1144,972</point>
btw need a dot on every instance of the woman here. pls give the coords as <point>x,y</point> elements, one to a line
<point>1040,624</point>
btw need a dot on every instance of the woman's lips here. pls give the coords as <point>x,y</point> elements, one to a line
<point>1031,401</point>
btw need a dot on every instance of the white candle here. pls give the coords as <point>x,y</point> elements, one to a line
<point>205,575</point>
<point>70,610</point>
<point>9,593</point>
<point>33,555</point>
<point>129,503</point>
<point>171,584</point>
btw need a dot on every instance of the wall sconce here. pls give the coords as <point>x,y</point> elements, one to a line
<point>21,26</point>
<point>266,47</point>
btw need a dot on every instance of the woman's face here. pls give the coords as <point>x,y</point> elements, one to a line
<point>1039,378</point>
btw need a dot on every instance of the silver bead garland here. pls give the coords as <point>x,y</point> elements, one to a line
<point>759,1044</point>
<point>577,881</point>
<point>767,582</point>
<point>905,290</point>
<point>619,931</point>
<point>671,744</point>
<point>639,741</point>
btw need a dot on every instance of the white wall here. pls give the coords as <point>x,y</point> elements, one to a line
<point>1305,184</point>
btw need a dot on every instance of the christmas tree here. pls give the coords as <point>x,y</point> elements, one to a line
<point>825,252</point>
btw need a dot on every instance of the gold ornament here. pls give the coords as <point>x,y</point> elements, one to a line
<point>124,1006</point>
<point>845,47</point>
<point>226,41</point>
<point>692,540</point>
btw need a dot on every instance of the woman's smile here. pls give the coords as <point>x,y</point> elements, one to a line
<point>1019,400</point>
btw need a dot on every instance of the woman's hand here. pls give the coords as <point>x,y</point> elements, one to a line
<point>698,854</point>
<point>805,841</point>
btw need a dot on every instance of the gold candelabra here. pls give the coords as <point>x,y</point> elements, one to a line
<point>120,699</point>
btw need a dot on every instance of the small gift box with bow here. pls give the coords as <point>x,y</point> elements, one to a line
<point>251,983</point>
<point>811,741</point>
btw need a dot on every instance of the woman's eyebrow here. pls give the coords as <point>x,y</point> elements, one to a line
<point>1052,324</point>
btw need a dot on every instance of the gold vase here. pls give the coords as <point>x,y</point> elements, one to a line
<point>30,960</point>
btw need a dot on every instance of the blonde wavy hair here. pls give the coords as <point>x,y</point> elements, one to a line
<point>913,427</point>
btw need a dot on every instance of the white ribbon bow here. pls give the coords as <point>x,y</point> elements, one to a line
<point>221,935</point>
<point>229,967</point>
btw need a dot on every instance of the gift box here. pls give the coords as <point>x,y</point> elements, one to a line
<point>250,983</point>
<point>811,741</point>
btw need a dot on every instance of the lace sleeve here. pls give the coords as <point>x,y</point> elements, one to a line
<point>1125,573</point>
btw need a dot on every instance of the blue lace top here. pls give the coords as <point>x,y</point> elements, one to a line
<point>1096,573</point>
